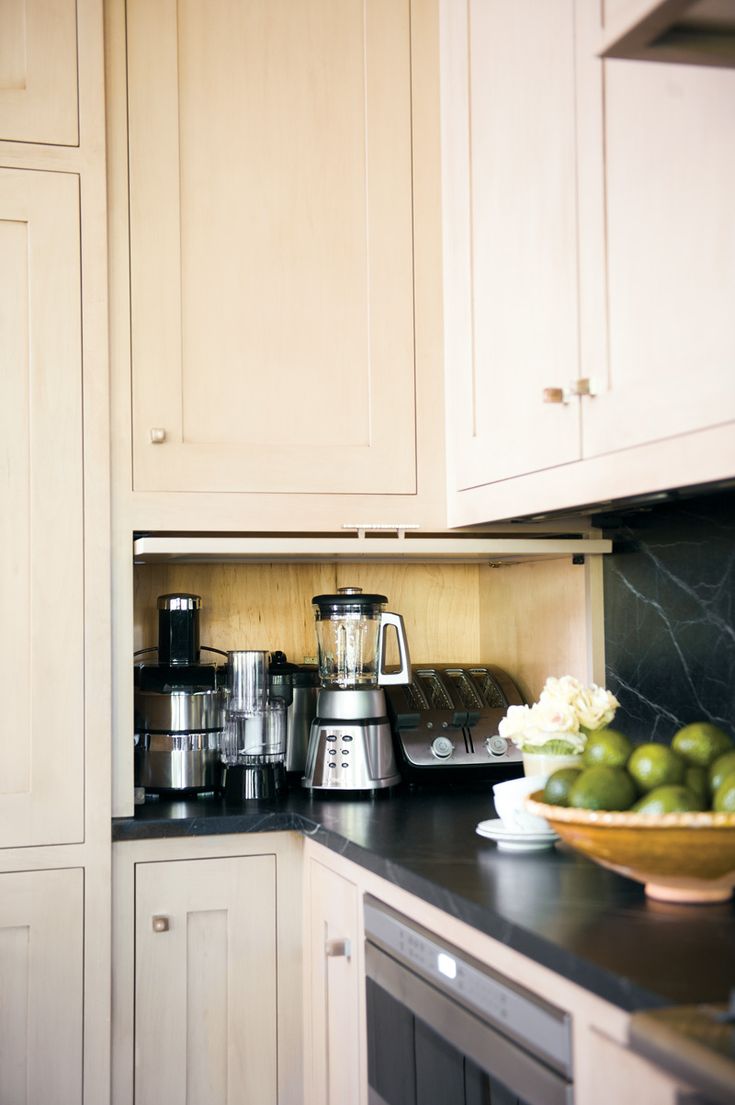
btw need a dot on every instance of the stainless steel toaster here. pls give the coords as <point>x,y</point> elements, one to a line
<point>445,723</point>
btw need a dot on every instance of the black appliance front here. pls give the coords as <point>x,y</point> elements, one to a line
<point>443,1029</point>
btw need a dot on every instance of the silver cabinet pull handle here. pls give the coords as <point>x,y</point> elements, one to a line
<point>337,948</point>
<point>160,924</point>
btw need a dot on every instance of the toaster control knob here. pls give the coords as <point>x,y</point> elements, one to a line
<point>442,748</point>
<point>497,746</point>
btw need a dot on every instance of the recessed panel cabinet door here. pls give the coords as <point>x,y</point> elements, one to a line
<point>670,182</point>
<point>41,987</point>
<point>205,982</point>
<point>38,71</point>
<point>334,1066</point>
<point>271,245</point>
<point>510,236</point>
<point>41,493</point>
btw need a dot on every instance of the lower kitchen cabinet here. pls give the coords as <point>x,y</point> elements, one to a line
<point>41,987</point>
<point>604,1069</point>
<point>334,1074</point>
<point>206,979</point>
<point>628,1077</point>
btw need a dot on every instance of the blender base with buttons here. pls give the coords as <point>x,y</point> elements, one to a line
<point>351,746</point>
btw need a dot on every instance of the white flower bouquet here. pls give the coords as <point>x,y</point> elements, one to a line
<point>560,722</point>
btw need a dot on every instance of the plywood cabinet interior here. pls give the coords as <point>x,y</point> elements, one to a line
<point>41,497</point>
<point>41,991</point>
<point>38,71</point>
<point>271,246</point>
<point>534,619</point>
<point>205,981</point>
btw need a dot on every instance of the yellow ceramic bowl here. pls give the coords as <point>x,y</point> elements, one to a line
<point>680,857</point>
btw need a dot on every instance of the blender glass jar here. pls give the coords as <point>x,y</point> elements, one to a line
<point>348,626</point>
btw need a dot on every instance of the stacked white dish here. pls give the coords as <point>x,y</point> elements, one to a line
<point>515,829</point>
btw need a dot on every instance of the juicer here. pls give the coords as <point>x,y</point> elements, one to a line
<point>350,743</point>
<point>179,704</point>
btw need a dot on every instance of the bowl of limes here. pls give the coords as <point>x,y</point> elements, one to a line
<point>661,814</point>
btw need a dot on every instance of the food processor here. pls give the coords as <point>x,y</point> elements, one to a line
<point>350,744</point>
<point>254,739</point>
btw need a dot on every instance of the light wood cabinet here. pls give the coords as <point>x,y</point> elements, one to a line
<point>41,491</point>
<point>205,982</point>
<point>334,986</point>
<point>207,977</point>
<point>271,247</point>
<point>620,1075</point>
<point>38,72</point>
<point>602,267</point>
<point>41,991</point>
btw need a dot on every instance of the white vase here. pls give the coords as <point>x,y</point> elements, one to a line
<point>537,763</point>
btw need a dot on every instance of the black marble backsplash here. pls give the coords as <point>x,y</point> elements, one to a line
<point>669,615</point>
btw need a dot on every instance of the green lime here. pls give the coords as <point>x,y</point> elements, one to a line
<point>558,785</point>
<point>697,782</point>
<point>724,800</point>
<point>608,747</point>
<point>602,788</point>
<point>701,743</point>
<point>669,799</point>
<point>720,769</point>
<point>655,765</point>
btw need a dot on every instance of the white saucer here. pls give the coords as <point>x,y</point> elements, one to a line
<point>509,841</point>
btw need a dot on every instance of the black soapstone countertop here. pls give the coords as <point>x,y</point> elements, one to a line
<point>560,909</point>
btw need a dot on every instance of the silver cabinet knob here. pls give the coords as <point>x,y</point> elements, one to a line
<point>160,924</point>
<point>158,435</point>
<point>338,948</point>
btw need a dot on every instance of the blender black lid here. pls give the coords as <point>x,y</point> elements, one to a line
<point>348,597</point>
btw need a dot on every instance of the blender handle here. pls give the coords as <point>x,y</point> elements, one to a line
<point>403,675</point>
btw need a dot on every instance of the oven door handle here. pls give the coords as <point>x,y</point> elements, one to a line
<point>528,1078</point>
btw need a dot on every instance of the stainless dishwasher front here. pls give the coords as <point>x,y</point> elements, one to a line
<point>444,1029</point>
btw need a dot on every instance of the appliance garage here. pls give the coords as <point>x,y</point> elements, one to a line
<point>249,723</point>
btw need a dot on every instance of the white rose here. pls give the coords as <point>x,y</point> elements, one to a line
<point>555,716</point>
<point>515,723</point>
<point>565,689</point>
<point>595,707</point>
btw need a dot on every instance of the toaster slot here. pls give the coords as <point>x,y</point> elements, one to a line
<point>464,693</point>
<point>436,694</point>
<point>488,688</point>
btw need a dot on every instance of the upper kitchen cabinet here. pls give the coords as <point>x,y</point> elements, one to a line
<point>38,72</point>
<point>616,325</point>
<point>282,340</point>
<point>41,497</point>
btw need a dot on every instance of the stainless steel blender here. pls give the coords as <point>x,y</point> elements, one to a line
<point>350,744</point>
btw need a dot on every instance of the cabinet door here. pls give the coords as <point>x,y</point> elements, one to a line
<point>38,71</point>
<point>510,249</point>
<point>670,179</point>
<point>271,246</point>
<point>205,982</point>
<point>334,1076</point>
<point>41,555</point>
<point>41,989</point>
